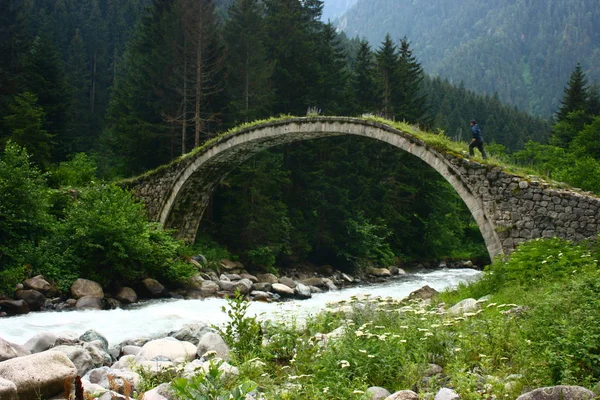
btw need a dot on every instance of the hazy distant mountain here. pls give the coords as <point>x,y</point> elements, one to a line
<point>522,49</point>
<point>333,9</point>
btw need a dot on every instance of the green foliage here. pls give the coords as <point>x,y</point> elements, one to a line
<point>211,250</point>
<point>242,334</point>
<point>366,242</point>
<point>149,379</point>
<point>79,171</point>
<point>210,386</point>
<point>263,257</point>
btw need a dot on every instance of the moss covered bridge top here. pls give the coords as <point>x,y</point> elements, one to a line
<point>508,208</point>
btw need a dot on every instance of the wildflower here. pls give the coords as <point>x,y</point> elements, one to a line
<point>457,349</point>
<point>359,333</point>
<point>379,327</point>
<point>423,329</point>
<point>491,305</point>
<point>402,340</point>
<point>326,389</point>
<point>370,356</point>
<point>403,327</point>
<point>428,334</point>
<point>435,325</point>
<point>469,314</point>
<point>344,363</point>
<point>358,392</point>
<point>362,350</point>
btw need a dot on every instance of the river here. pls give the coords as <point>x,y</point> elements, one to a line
<point>154,317</point>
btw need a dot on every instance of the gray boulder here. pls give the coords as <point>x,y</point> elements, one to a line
<point>263,286</point>
<point>168,347</point>
<point>85,287</point>
<point>79,357</point>
<point>463,306</point>
<point>34,299</point>
<point>10,350</point>
<point>41,342</point>
<point>38,375</point>
<point>282,289</point>
<point>259,295</point>
<point>38,283</point>
<point>14,307</point>
<point>329,284</point>
<point>287,282</point>
<point>315,281</point>
<point>89,303</point>
<point>191,332</point>
<point>90,335</point>
<point>8,390</point>
<point>131,350</point>
<point>377,393</point>
<point>209,288</point>
<point>126,295</point>
<point>558,393</point>
<point>161,392</point>
<point>424,293</point>
<point>252,278</point>
<point>153,287</point>
<point>212,341</point>
<point>269,278</point>
<point>403,395</point>
<point>446,394</point>
<point>303,291</point>
<point>379,272</point>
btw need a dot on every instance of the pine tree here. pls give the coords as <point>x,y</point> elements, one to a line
<point>410,98</point>
<point>575,95</point>
<point>387,76</point>
<point>249,71</point>
<point>363,79</point>
<point>79,80</point>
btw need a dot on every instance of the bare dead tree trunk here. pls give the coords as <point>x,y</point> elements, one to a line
<point>93,86</point>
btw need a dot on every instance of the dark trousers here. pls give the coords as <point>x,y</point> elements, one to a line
<point>479,145</point>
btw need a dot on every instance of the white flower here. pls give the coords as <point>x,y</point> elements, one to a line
<point>344,363</point>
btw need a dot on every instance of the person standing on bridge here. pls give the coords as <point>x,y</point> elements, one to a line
<point>477,140</point>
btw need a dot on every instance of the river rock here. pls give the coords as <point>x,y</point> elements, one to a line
<point>99,356</point>
<point>209,288</point>
<point>126,362</point>
<point>284,280</point>
<point>397,271</point>
<point>153,287</point>
<point>225,278</point>
<point>424,293</point>
<point>446,394</point>
<point>377,393</point>
<point>80,358</point>
<point>10,350</point>
<point>262,286</point>
<point>269,278</point>
<point>85,287</point>
<point>379,272</point>
<point>34,299</point>
<point>38,375</point>
<point>212,341</point>
<point>463,306</point>
<point>131,350</point>
<point>161,392</point>
<point>314,281</point>
<point>329,284</point>
<point>259,295</point>
<point>191,332</point>
<point>403,395</point>
<point>558,393</point>
<point>8,390</point>
<point>168,347</point>
<point>229,373</point>
<point>126,295</point>
<point>282,289</point>
<point>433,369</point>
<point>89,303</point>
<point>303,291</point>
<point>38,283</point>
<point>91,335</point>
<point>252,278</point>
<point>233,277</point>
<point>41,342</point>
<point>14,307</point>
<point>228,265</point>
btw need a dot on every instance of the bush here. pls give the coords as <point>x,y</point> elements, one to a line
<point>79,171</point>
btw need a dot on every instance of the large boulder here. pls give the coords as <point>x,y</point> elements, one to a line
<point>14,307</point>
<point>8,390</point>
<point>10,350</point>
<point>126,295</point>
<point>303,291</point>
<point>284,280</point>
<point>153,287</point>
<point>85,287</point>
<point>38,283</point>
<point>446,394</point>
<point>558,393</point>
<point>379,272</point>
<point>282,289</point>
<point>89,303</point>
<point>168,347</point>
<point>262,286</point>
<point>269,278</point>
<point>463,306</point>
<point>424,293</point>
<point>91,335</point>
<point>212,341</point>
<point>79,357</point>
<point>191,332</point>
<point>41,342</point>
<point>209,288</point>
<point>315,281</point>
<point>403,395</point>
<point>34,299</point>
<point>377,393</point>
<point>161,392</point>
<point>39,375</point>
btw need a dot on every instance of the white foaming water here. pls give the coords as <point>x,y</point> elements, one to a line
<point>156,317</point>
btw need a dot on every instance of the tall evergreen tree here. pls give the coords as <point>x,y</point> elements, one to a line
<point>575,95</point>
<point>363,80</point>
<point>410,98</point>
<point>387,68</point>
<point>248,70</point>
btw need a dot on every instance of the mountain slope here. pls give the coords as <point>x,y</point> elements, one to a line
<point>522,49</point>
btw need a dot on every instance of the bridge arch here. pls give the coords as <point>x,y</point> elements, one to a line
<point>507,208</point>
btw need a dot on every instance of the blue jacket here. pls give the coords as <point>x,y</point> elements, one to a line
<point>476,130</point>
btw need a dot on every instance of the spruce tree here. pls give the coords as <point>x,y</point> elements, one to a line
<point>410,98</point>
<point>575,95</point>
<point>363,80</point>
<point>387,76</point>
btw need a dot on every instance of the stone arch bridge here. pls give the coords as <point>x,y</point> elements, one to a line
<point>509,209</point>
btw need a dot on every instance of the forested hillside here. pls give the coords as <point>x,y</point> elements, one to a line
<point>523,50</point>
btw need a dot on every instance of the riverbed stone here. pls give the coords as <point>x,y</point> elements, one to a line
<point>126,362</point>
<point>209,288</point>
<point>302,291</point>
<point>251,277</point>
<point>379,272</point>
<point>161,392</point>
<point>14,307</point>
<point>314,281</point>
<point>8,390</point>
<point>558,393</point>
<point>463,306</point>
<point>90,335</point>
<point>41,342</point>
<point>424,293</point>
<point>289,282</point>
<point>191,332</point>
<point>89,303</point>
<point>403,395</point>
<point>38,283</point>
<point>282,289</point>
<point>80,357</point>
<point>212,341</point>
<point>269,278</point>
<point>329,284</point>
<point>38,375</point>
<point>126,295</point>
<point>168,347</point>
<point>85,287</point>
<point>446,394</point>
<point>131,350</point>
<point>99,356</point>
<point>153,287</point>
<point>10,350</point>
<point>262,286</point>
<point>34,299</point>
<point>377,393</point>
<point>259,295</point>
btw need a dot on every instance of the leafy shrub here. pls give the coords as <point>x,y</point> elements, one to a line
<point>263,257</point>
<point>79,171</point>
<point>213,251</point>
<point>242,333</point>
